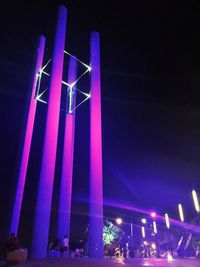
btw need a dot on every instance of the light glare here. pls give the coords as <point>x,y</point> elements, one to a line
<point>196,201</point>
<point>154,227</point>
<point>153,214</point>
<point>167,220</point>
<point>119,221</point>
<point>143,220</point>
<point>169,257</point>
<point>181,212</point>
<point>143,232</point>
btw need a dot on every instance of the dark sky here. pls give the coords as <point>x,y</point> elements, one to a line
<point>150,100</point>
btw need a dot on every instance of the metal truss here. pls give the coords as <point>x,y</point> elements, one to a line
<point>72,88</point>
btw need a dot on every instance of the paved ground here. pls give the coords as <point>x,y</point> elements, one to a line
<point>83,262</point>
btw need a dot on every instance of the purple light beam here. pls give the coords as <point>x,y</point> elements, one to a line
<point>27,143</point>
<point>44,199</point>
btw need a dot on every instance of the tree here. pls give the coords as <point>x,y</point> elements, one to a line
<point>111,233</point>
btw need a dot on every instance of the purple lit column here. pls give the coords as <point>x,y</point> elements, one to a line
<point>67,164</point>
<point>27,143</point>
<point>96,248</point>
<point>44,198</point>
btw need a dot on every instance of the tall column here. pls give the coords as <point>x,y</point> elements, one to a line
<point>27,143</point>
<point>67,161</point>
<point>96,187</point>
<point>44,198</point>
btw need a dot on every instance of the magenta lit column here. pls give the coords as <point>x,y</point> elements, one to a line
<point>44,198</point>
<point>67,162</point>
<point>27,143</point>
<point>96,248</point>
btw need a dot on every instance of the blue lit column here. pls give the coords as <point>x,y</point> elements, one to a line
<point>96,248</point>
<point>44,198</point>
<point>64,210</point>
<point>27,144</point>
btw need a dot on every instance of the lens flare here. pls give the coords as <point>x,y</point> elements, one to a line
<point>153,214</point>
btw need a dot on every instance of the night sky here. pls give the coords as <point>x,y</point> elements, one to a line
<point>150,74</point>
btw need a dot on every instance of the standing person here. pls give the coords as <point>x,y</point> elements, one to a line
<point>13,243</point>
<point>131,246</point>
<point>124,247</point>
<point>65,244</point>
<point>86,241</point>
<point>56,244</point>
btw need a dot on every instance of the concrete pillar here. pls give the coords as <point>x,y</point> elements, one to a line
<point>27,143</point>
<point>67,161</point>
<point>44,198</point>
<point>96,248</point>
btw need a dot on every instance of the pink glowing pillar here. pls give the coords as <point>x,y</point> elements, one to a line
<point>44,199</point>
<point>67,164</point>
<point>96,180</point>
<point>27,143</point>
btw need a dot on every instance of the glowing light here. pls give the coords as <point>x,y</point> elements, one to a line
<point>180,241</point>
<point>169,257</point>
<point>181,212</point>
<point>38,97</point>
<point>72,84</point>
<point>40,100</point>
<point>145,243</point>
<point>70,95</point>
<point>196,201</point>
<point>89,68</point>
<point>42,71</point>
<point>154,227</point>
<point>153,245</point>
<point>143,231</point>
<point>153,214</point>
<point>167,220</point>
<point>143,220</point>
<point>88,95</point>
<point>65,83</point>
<point>119,221</point>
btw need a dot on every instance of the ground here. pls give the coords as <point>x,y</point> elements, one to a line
<point>83,262</point>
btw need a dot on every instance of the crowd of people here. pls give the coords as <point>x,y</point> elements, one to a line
<point>127,247</point>
<point>120,249</point>
<point>61,245</point>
